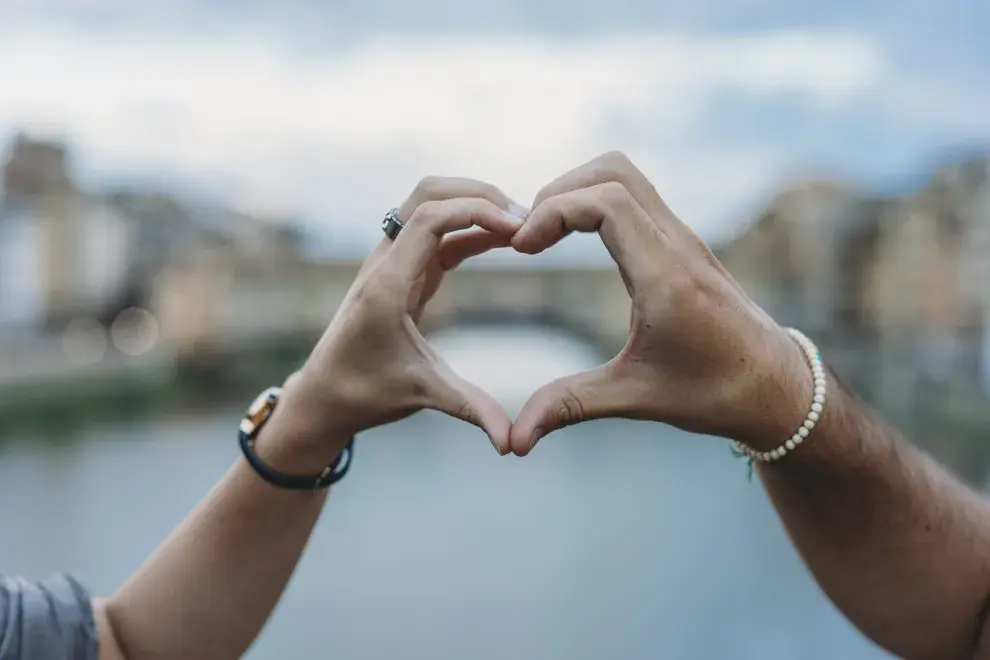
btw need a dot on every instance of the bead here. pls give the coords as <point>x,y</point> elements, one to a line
<point>820,380</point>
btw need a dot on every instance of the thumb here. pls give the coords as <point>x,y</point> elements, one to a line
<point>593,394</point>
<point>451,394</point>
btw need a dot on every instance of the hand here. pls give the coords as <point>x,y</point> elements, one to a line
<point>701,355</point>
<point>372,365</point>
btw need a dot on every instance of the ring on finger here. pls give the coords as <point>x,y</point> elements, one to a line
<point>391,224</point>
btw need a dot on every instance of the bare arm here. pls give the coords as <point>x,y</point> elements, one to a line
<point>209,588</point>
<point>900,546</point>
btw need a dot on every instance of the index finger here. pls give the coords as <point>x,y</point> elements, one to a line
<point>435,188</point>
<point>609,209</point>
<point>615,166</point>
<point>419,241</point>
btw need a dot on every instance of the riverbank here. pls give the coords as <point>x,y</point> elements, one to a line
<point>212,377</point>
<point>952,425</point>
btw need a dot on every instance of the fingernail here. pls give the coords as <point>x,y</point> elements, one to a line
<point>518,212</point>
<point>537,434</point>
<point>497,448</point>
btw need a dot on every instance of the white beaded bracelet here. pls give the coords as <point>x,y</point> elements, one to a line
<point>817,405</point>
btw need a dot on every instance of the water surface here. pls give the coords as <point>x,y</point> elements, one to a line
<point>613,539</point>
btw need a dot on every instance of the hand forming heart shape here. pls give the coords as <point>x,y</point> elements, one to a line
<point>701,355</point>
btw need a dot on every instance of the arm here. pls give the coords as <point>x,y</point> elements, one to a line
<point>208,589</point>
<point>901,547</point>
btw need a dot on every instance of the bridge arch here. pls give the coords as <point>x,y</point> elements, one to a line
<point>492,317</point>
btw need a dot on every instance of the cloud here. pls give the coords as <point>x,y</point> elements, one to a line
<point>341,136</point>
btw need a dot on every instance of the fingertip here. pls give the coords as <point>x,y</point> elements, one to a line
<point>523,242</point>
<point>494,421</point>
<point>522,441</point>
<point>504,223</point>
<point>499,437</point>
<point>515,224</point>
<point>526,449</point>
<point>501,449</point>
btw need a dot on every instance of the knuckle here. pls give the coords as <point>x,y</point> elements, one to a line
<point>616,162</point>
<point>428,188</point>
<point>567,410</point>
<point>426,211</point>
<point>546,193</point>
<point>474,205</point>
<point>614,194</point>
<point>492,193</point>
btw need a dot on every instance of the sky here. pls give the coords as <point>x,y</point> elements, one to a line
<point>332,111</point>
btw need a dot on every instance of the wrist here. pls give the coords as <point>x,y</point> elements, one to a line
<point>779,399</point>
<point>301,437</point>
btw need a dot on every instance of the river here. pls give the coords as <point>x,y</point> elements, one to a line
<point>614,539</point>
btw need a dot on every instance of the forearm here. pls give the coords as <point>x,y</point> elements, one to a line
<point>210,587</point>
<point>900,546</point>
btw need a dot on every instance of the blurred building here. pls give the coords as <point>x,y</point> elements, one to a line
<point>63,252</point>
<point>902,284</point>
<point>230,290</point>
<point>207,274</point>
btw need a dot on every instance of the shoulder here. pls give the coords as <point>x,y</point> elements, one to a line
<point>52,618</point>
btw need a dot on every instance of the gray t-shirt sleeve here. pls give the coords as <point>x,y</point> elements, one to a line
<point>47,620</point>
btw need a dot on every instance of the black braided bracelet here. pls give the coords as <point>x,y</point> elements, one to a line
<point>331,474</point>
<point>258,415</point>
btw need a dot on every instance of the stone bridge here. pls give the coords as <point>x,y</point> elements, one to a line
<point>238,304</point>
<point>589,303</point>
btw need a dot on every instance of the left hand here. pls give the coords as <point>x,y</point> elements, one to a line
<point>372,365</point>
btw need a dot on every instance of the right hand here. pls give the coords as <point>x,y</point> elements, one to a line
<point>701,355</point>
<point>372,365</point>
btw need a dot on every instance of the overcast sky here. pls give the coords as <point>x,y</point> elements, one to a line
<point>333,110</point>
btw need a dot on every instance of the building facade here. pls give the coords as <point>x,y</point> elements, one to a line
<point>900,284</point>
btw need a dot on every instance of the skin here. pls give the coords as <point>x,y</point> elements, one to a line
<point>900,546</point>
<point>209,588</point>
<point>893,540</point>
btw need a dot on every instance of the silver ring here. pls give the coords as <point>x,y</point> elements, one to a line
<point>391,224</point>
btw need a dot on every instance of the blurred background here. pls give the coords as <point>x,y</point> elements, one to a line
<point>188,189</point>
